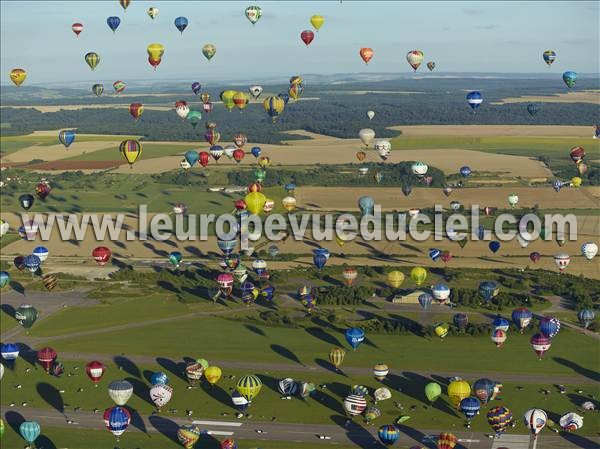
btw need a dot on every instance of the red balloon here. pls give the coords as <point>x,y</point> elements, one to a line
<point>42,190</point>
<point>154,62</point>
<point>95,371</point>
<point>136,109</point>
<point>179,103</point>
<point>238,155</point>
<point>254,187</point>
<point>240,205</point>
<point>203,158</point>
<point>446,256</point>
<point>307,37</point>
<point>366,54</point>
<point>229,443</point>
<point>101,255</point>
<point>46,357</point>
<point>535,256</point>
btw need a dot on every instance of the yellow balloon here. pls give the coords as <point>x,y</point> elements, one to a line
<point>458,390</point>
<point>212,374</point>
<point>289,203</point>
<point>156,51</point>
<point>576,181</point>
<point>241,100</point>
<point>395,278</point>
<point>131,150</point>
<point>249,386</point>
<point>442,330</point>
<point>336,356</point>
<point>227,98</point>
<point>418,275</point>
<point>17,76</point>
<point>255,201</point>
<point>317,21</point>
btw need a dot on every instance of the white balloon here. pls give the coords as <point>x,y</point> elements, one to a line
<point>571,421</point>
<point>589,250</point>
<point>182,111</point>
<point>370,114</point>
<point>120,391</point>
<point>161,394</point>
<point>255,91</point>
<point>535,419</point>
<point>1,371</point>
<point>366,136</point>
<point>4,227</point>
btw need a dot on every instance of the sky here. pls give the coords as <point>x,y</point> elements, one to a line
<point>459,36</point>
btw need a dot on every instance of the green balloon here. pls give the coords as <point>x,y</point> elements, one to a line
<point>26,315</point>
<point>433,391</point>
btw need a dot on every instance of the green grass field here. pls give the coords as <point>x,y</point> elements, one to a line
<point>10,144</point>
<point>190,337</point>
<point>41,390</point>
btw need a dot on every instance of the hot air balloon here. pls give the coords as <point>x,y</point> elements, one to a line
<point>498,337</point>
<point>562,261</point>
<point>441,330</point>
<point>549,326</point>
<point>488,290</point>
<point>175,258</point>
<point>120,391</point>
<point>307,36</point>
<point>212,374</point>
<point>182,109</point>
<point>194,118</point>
<point>533,108</point>
<point>66,137</point>
<point>366,54</point>
<point>209,50</point>
<point>388,434</point>
<point>419,169</point>
<point>255,91</point>
<point>549,57</point>
<point>117,420</point>
<point>540,344</point>
<point>46,357</point>
<point>577,154</point>
<point>336,357</point>
<point>474,99</point>
<point>425,300</point>
<point>131,150</point>
<point>181,24</point>
<point>77,28</point>
<point>113,23</point>
<point>193,372</point>
<point>4,279</point>
<point>354,404</point>
<point>569,78</point>
<point>124,4</point>
<point>460,320</point>
<point>287,387</point>
<point>191,157</point>
<point>366,136</point>
<point>95,371</point>
<point>119,86</point>
<point>152,12</point>
<point>160,395</point>
<point>366,205</point>
<point>483,389</point>
<point>350,274</point>
<point>500,323</point>
<point>500,418</point>
<point>317,21</point>
<point>249,386</point>
<point>370,114</point>
<point>380,371</point>
<point>586,317</point>
<point>253,14</point>
<point>101,255</point>
<point>42,190</point>
<point>225,281</point>
<point>589,250</point>
<point>458,390</point>
<point>155,53</point>
<point>188,435</point>
<point>274,106</point>
<point>431,66</point>
<point>571,422</point>
<point>465,171</point>
<point>446,441</point>
<point>18,76</point>
<point>355,336</point>
<point>395,279</point>
<point>159,377</point>
<point>136,110</point>
<point>32,262</point>
<point>9,351</point>
<point>441,292</point>
<point>26,201</point>
<point>521,317</point>
<point>433,391</point>
<point>470,408</point>
<point>414,58</point>
<point>41,252</point>
<point>30,431</point>
<point>535,419</point>
<point>418,275</point>
<point>98,89</point>
<point>92,59</point>
<point>535,256</point>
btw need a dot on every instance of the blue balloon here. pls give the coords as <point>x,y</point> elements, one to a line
<point>239,401</point>
<point>284,96</point>
<point>521,317</point>
<point>484,389</point>
<point>461,320</point>
<point>9,351</point>
<point>181,24</point>
<point>113,23</point>
<point>319,260</point>
<point>465,171</point>
<point>388,434</point>
<point>191,157</point>
<point>196,87</point>
<point>267,292</point>
<point>474,99</point>
<point>290,187</point>
<point>323,251</point>
<point>481,232</point>
<point>255,151</point>
<point>569,78</point>
<point>500,323</point>
<point>434,254</point>
<point>366,205</point>
<point>159,378</point>
<point>118,420</point>
<point>533,108</point>
<point>494,246</point>
<point>4,278</point>
<point>66,137</point>
<point>30,430</point>
<point>32,262</point>
<point>355,336</point>
<point>41,252</point>
<point>227,246</point>
<point>488,289</point>
<point>425,300</point>
<point>469,407</point>
<point>549,326</point>
<point>557,184</point>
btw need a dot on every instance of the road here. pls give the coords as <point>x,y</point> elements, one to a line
<point>353,434</point>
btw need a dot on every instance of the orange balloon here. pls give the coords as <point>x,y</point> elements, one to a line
<point>366,54</point>
<point>361,155</point>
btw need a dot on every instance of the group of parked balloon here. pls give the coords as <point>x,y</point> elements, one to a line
<point>468,399</point>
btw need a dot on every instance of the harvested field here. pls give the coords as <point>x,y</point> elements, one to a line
<point>495,130</point>
<point>586,96</point>
<point>56,152</point>
<point>76,165</point>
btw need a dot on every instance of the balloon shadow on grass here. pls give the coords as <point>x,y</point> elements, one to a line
<point>18,287</point>
<point>175,368</point>
<point>322,335</point>
<point>579,441</point>
<point>137,421</point>
<point>14,420</point>
<point>356,433</point>
<point>586,372</point>
<point>127,365</point>
<point>8,309</point>
<point>27,354</point>
<point>51,396</point>
<point>44,442</point>
<point>141,390</point>
<point>165,426</point>
<point>285,352</point>
<point>256,330</point>
<point>419,437</point>
<point>325,364</point>
<point>217,393</point>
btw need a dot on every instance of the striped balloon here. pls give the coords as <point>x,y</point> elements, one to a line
<point>355,404</point>
<point>249,386</point>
